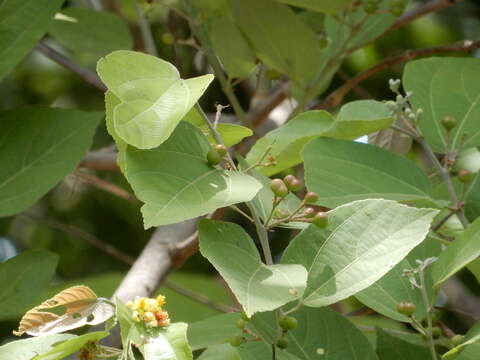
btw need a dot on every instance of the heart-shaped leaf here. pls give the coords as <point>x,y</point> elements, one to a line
<point>153,97</point>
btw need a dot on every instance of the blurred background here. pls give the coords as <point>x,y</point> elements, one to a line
<point>75,215</point>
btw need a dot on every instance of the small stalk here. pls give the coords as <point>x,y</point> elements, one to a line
<point>423,290</point>
<point>145,30</point>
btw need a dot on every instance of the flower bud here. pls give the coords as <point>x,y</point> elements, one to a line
<point>406,308</point>
<point>279,188</point>
<point>241,324</point>
<point>320,220</point>
<point>436,332</point>
<point>293,184</point>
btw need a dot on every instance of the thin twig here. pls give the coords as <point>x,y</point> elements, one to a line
<point>336,97</point>
<point>438,225</point>
<point>125,258</point>
<point>445,177</point>
<point>106,186</point>
<point>85,74</point>
<point>101,160</point>
<point>428,307</point>
<point>145,30</point>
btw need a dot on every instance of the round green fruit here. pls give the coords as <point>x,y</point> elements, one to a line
<point>457,339</point>
<point>241,324</point>
<point>309,212</point>
<point>293,184</point>
<point>449,122</point>
<point>282,343</point>
<point>288,323</point>
<point>236,341</point>
<point>213,157</point>
<point>168,38</point>
<point>320,220</point>
<point>406,308</point>
<point>279,188</point>
<point>436,332</point>
<point>221,149</point>
<point>310,197</point>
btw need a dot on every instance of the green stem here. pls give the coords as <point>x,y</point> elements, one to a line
<point>145,30</point>
<point>423,290</point>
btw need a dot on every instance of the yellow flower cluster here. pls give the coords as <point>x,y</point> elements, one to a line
<point>149,311</point>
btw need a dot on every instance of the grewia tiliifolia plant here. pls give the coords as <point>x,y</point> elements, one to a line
<point>383,223</point>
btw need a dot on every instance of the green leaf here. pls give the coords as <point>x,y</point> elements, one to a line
<point>393,288</point>
<point>339,29</point>
<point>130,331</point>
<point>27,349</point>
<point>231,47</point>
<point>83,30</point>
<point>325,6</point>
<point>38,147</point>
<point>471,337</point>
<point>286,142</point>
<point>256,286</point>
<point>231,134</point>
<point>441,87</point>
<point>343,171</point>
<point>23,279</point>
<point>363,241</point>
<point>220,352</point>
<point>460,253</point>
<point>392,348</point>
<point>169,344</point>
<point>359,118</point>
<point>70,346</point>
<point>22,25</point>
<point>153,97</point>
<point>321,333</point>
<point>278,46</point>
<point>355,119</point>
<point>176,183</point>
<point>469,353</point>
<point>212,331</point>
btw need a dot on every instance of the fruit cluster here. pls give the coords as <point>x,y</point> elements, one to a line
<point>149,311</point>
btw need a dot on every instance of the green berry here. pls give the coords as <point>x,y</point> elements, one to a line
<point>436,332</point>
<point>282,343</point>
<point>320,220</point>
<point>323,41</point>
<point>465,176</point>
<point>309,212</point>
<point>241,324</point>
<point>457,339</point>
<point>235,341</point>
<point>406,308</point>
<point>288,323</point>
<point>293,184</point>
<point>310,197</point>
<point>222,150</point>
<point>213,157</point>
<point>279,188</point>
<point>449,122</point>
<point>168,38</point>
<point>245,317</point>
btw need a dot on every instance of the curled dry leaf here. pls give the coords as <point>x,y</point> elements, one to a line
<point>71,308</point>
